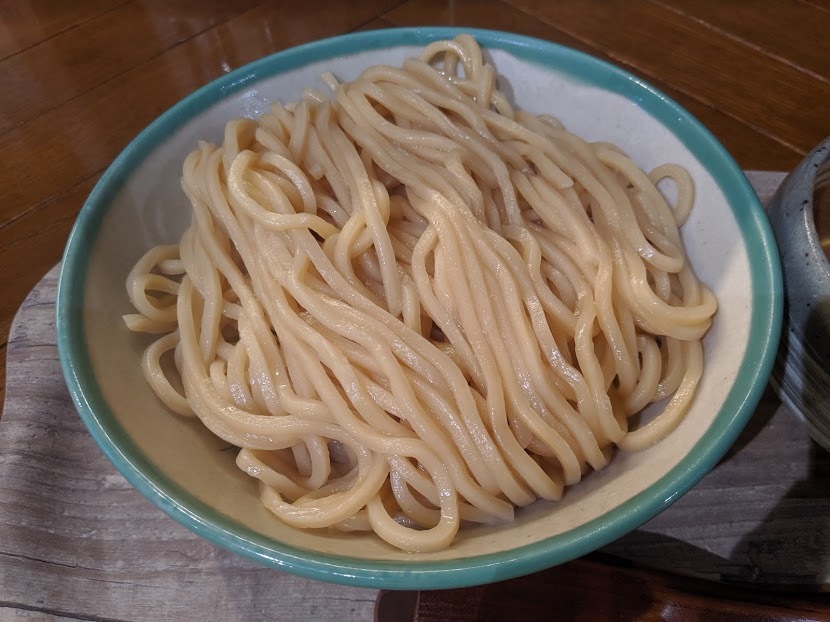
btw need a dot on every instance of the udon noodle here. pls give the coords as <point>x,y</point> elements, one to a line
<point>413,306</point>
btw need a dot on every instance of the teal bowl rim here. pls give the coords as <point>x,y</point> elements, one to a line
<point>765,326</point>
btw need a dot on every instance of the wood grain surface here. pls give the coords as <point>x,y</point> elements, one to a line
<point>79,80</point>
<point>594,589</point>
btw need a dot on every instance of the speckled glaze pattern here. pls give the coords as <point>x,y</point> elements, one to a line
<point>801,374</point>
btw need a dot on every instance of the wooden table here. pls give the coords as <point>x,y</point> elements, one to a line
<point>78,80</point>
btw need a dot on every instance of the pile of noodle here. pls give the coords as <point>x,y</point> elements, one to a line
<point>412,305</point>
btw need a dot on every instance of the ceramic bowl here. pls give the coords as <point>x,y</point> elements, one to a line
<point>177,464</point>
<point>800,216</point>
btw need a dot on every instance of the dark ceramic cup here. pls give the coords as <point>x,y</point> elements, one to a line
<point>800,217</point>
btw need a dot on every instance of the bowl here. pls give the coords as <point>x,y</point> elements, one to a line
<point>800,218</point>
<point>182,469</point>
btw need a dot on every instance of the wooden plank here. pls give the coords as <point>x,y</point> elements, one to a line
<point>750,148</point>
<point>24,23</point>
<point>769,95</point>
<point>50,73</point>
<point>612,593</point>
<point>778,28</point>
<point>39,237</point>
<point>81,137</point>
<point>12,613</point>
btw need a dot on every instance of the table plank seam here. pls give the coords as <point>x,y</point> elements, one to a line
<point>50,199</point>
<point>38,560</point>
<point>148,61</point>
<point>380,15</point>
<point>56,612</point>
<point>740,40</point>
<point>59,33</point>
<point>628,66</point>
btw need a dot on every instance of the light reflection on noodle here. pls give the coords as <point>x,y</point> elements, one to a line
<point>412,305</point>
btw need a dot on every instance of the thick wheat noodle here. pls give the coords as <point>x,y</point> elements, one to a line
<point>413,306</point>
